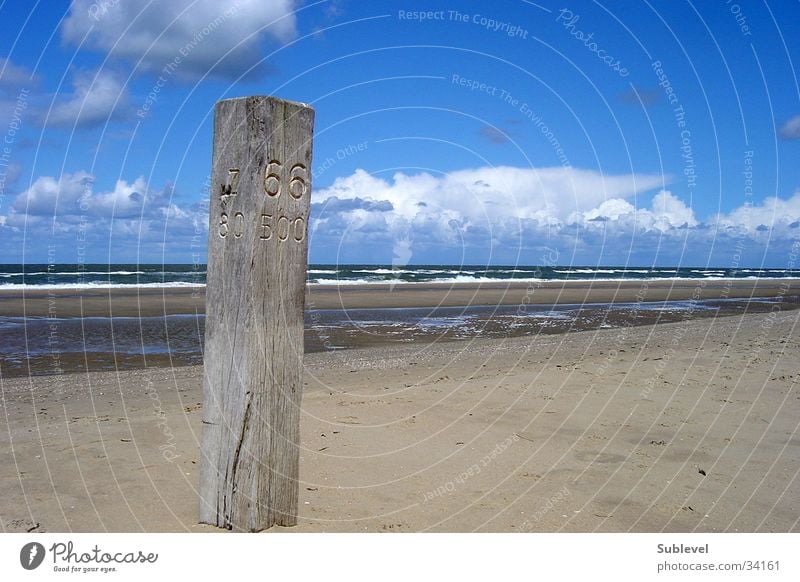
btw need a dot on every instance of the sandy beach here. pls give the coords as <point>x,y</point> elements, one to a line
<point>683,426</point>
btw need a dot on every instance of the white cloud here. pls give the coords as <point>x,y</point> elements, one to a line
<point>128,221</point>
<point>609,210</point>
<point>494,208</point>
<point>73,195</point>
<point>671,211</point>
<point>492,200</point>
<point>790,129</point>
<point>772,213</point>
<point>13,77</point>
<point>666,213</point>
<point>501,214</point>
<point>48,196</point>
<point>96,98</point>
<point>484,195</point>
<point>123,201</point>
<point>203,34</point>
<point>9,176</point>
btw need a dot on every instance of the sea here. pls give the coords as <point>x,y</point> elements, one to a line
<point>186,275</point>
<point>51,346</point>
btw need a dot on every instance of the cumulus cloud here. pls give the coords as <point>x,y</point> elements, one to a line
<point>502,214</point>
<point>73,195</point>
<point>790,129</point>
<point>334,204</point>
<point>489,196</point>
<point>772,214</point>
<point>206,36</point>
<point>96,99</point>
<point>12,76</point>
<point>9,176</point>
<point>48,196</point>
<point>666,213</point>
<point>522,208</point>
<point>129,221</point>
<point>15,91</point>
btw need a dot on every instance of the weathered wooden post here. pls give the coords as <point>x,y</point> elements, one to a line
<point>257,254</point>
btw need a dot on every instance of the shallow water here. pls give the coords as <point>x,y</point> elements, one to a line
<point>38,346</point>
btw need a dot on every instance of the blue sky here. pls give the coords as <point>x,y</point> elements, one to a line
<point>661,133</point>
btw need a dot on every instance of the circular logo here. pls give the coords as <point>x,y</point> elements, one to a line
<point>31,555</point>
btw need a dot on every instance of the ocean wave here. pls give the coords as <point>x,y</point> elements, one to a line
<point>475,279</point>
<point>73,273</point>
<point>380,281</point>
<point>384,271</point>
<point>359,281</point>
<point>590,271</point>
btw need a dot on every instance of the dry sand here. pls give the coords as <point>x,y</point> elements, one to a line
<point>593,431</point>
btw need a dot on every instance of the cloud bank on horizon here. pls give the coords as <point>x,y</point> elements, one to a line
<point>506,211</point>
<point>490,214</point>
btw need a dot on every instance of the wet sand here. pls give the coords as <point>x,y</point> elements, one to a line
<point>44,345</point>
<point>601,430</point>
<point>151,301</point>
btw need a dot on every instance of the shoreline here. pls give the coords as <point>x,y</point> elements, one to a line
<point>48,333</point>
<point>160,301</point>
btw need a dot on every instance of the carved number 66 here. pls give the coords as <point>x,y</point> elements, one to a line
<point>298,180</point>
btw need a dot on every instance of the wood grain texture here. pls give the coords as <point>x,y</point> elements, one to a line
<point>256,281</point>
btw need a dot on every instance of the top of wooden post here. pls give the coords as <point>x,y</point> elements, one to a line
<point>269,97</point>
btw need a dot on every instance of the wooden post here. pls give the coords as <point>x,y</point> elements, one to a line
<point>257,256</point>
